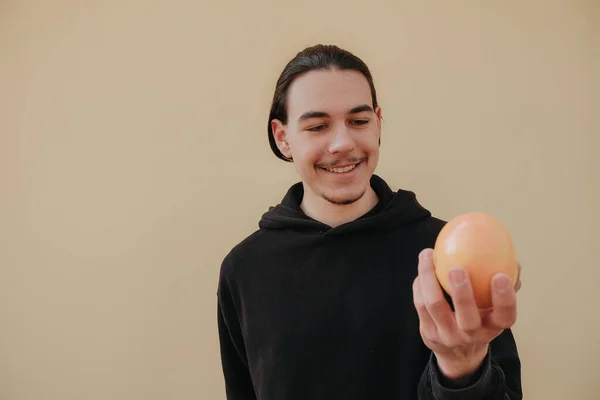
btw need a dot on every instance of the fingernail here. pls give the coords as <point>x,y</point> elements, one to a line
<point>501,283</point>
<point>457,276</point>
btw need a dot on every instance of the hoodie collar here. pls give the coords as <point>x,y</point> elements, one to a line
<point>393,209</point>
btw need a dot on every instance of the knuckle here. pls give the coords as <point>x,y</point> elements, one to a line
<point>510,320</point>
<point>430,338</point>
<point>436,305</point>
<point>463,301</point>
<point>420,306</point>
<point>415,286</point>
<point>428,333</point>
<point>469,328</point>
<point>506,319</point>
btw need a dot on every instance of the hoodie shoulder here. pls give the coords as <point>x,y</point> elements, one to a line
<point>243,250</point>
<point>244,256</point>
<point>434,225</point>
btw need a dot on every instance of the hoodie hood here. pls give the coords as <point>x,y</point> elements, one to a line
<point>394,209</point>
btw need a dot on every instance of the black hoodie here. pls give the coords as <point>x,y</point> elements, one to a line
<point>311,312</point>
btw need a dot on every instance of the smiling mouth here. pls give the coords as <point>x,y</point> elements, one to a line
<point>342,170</point>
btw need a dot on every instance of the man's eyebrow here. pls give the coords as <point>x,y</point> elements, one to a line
<point>313,114</point>
<point>359,109</point>
<point>321,114</point>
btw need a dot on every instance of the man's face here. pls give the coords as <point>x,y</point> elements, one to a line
<point>332,134</point>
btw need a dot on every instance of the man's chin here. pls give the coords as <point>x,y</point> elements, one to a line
<point>343,200</point>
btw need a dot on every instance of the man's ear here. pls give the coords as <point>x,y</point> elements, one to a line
<point>379,119</point>
<point>280,136</point>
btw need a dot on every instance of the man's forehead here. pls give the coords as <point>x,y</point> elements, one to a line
<point>333,92</point>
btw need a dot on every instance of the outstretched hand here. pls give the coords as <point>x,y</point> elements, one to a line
<point>460,338</point>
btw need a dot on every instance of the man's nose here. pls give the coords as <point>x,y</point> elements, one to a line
<point>342,141</point>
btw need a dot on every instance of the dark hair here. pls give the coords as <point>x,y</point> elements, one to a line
<point>318,57</point>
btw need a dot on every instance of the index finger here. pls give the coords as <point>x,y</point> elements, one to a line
<point>433,296</point>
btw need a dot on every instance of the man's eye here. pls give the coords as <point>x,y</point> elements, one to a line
<point>360,121</point>
<point>316,128</point>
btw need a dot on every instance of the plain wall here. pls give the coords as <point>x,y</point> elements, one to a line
<point>133,156</point>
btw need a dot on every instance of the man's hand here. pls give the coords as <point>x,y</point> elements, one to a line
<point>460,339</point>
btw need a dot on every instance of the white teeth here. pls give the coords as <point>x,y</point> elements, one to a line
<point>342,170</point>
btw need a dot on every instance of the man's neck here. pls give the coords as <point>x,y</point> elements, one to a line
<point>333,214</point>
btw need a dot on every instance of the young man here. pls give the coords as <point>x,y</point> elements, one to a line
<point>334,296</point>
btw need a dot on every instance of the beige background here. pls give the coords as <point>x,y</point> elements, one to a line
<point>133,143</point>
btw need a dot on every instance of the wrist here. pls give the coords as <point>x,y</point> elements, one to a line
<point>459,372</point>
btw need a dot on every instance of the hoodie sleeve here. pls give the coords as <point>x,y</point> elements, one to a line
<point>499,377</point>
<point>238,382</point>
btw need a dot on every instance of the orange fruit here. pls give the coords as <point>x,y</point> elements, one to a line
<point>482,245</point>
